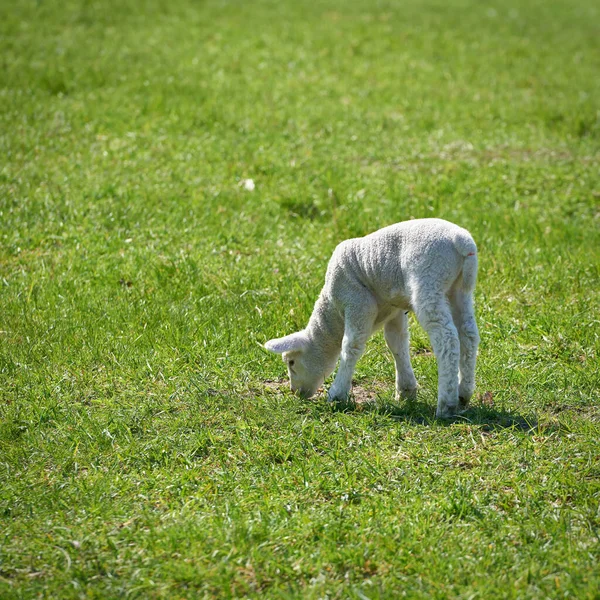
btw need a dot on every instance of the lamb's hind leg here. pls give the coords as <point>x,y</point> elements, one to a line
<point>358,326</point>
<point>397,338</point>
<point>433,312</point>
<point>464,319</point>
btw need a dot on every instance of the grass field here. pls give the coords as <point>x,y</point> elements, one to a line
<point>144,450</point>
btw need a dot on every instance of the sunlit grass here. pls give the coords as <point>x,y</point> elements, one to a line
<point>144,449</point>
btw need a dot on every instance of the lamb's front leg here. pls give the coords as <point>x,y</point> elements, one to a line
<point>358,326</point>
<point>397,338</point>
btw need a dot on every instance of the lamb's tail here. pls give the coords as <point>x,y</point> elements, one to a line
<point>464,244</point>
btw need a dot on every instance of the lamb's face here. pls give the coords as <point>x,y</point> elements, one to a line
<point>305,363</point>
<point>306,375</point>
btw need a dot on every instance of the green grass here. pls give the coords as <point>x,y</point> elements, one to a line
<point>141,453</point>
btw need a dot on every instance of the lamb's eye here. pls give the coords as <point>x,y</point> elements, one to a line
<point>291,363</point>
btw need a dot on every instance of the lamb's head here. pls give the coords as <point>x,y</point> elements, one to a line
<point>304,362</point>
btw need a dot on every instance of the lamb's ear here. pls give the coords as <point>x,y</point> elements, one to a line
<point>289,343</point>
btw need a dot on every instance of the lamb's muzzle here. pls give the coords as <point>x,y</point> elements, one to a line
<point>428,266</point>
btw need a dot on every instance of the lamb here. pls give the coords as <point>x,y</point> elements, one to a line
<point>428,266</point>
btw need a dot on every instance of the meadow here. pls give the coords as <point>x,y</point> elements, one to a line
<point>149,446</point>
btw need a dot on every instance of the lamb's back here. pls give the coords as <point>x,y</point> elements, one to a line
<point>387,260</point>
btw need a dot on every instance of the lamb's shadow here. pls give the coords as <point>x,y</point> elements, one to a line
<point>423,413</point>
<point>373,400</point>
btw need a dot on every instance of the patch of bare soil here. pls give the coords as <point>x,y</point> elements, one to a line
<point>366,395</point>
<point>360,394</point>
<point>275,385</point>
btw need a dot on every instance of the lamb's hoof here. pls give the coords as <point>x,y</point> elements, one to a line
<point>447,412</point>
<point>465,392</point>
<point>463,404</point>
<point>337,397</point>
<point>406,394</point>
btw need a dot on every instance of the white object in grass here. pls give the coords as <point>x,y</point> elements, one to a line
<point>428,266</point>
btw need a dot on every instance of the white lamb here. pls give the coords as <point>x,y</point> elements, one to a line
<point>428,266</point>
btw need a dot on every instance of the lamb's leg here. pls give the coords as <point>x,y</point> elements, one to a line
<point>397,338</point>
<point>468,334</point>
<point>358,325</point>
<point>435,317</point>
